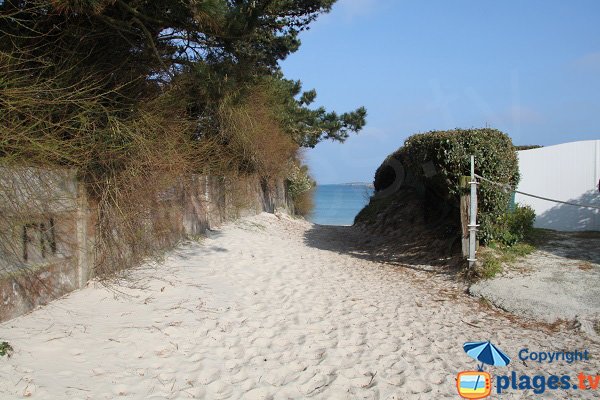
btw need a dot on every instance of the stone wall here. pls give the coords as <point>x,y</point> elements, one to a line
<point>48,227</point>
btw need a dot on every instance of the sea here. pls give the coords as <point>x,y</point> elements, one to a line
<point>338,204</point>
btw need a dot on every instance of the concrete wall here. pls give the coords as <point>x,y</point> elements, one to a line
<point>567,172</point>
<point>48,227</point>
<point>42,223</point>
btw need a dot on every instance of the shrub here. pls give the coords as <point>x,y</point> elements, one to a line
<point>436,160</point>
<point>5,349</point>
<point>513,227</point>
<point>304,203</point>
<point>299,186</point>
<point>520,222</point>
<point>252,136</point>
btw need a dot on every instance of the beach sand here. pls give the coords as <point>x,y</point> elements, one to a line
<point>256,311</point>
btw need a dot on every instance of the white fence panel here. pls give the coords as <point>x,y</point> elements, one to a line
<point>567,172</point>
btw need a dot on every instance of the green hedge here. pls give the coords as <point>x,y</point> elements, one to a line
<point>436,160</point>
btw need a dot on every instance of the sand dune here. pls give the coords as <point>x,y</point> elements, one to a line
<point>256,312</point>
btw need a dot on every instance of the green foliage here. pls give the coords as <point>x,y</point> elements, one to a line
<point>133,91</point>
<point>76,78</point>
<point>494,256</point>
<point>528,147</point>
<point>299,180</point>
<point>490,267</point>
<point>511,227</point>
<point>5,349</point>
<point>165,35</point>
<point>516,226</point>
<point>300,185</point>
<point>436,160</point>
<point>307,125</point>
<point>132,50</point>
<point>520,250</point>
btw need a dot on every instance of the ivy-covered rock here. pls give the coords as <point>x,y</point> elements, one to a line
<point>435,161</point>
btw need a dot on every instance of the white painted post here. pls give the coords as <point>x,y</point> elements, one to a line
<point>473,216</point>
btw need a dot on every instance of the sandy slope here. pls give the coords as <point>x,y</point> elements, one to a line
<point>257,312</point>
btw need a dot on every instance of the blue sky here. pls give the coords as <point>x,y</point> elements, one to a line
<point>530,68</point>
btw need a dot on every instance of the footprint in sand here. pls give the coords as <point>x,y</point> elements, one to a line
<point>238,377</point>
<point>280,376</point>
<point>120,390</point>
<point>296,366</point>
<point>315,354</point>
<point>261,393</point>
<point>195,392</point>
<point>286,357</point>
<point>363,394</point>
<point>173,331</point>
<point>395,397</point>
<point>437,378</point>
<point>394,378</point>
<point>208,376</point>
<point>200,333</point>
<point>262,342</point>
<point>251,352</point>
<point>356,350</point>
<point>234,353</point>
<point>281,344</point>
<point>195,358</point>
<point>246,385</point>
<point>359,377</point>
<point>232,366</point>
<point>424,359</point>
<point>231,341</point>
<point>316,384</point>
<point>418,386</point>
<point>259,360</point>
<point>210,324</point>
<point>65,373</point>
<point>219,390</point>
<point>354,340</point>
<point>164,351</point>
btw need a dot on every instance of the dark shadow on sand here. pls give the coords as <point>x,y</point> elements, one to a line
<point>583,245</point>
<point>355,242</point>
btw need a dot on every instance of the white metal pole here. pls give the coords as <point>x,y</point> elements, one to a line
<point>473,216</point>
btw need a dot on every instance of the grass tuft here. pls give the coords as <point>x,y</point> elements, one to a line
<point>494,256</point>
<point>6,349</point>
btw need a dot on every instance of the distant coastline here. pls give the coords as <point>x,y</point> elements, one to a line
<point>368,184</point>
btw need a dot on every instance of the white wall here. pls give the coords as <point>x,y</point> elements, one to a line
<point>567,172</point>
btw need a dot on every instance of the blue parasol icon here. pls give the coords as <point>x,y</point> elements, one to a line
<point>486,353</point>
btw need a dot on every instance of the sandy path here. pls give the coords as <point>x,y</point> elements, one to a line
<point>254,312</point>
<point>562,281</point>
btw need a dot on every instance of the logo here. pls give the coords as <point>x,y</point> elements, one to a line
<point>478,384</point>
<point>474,384</point>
